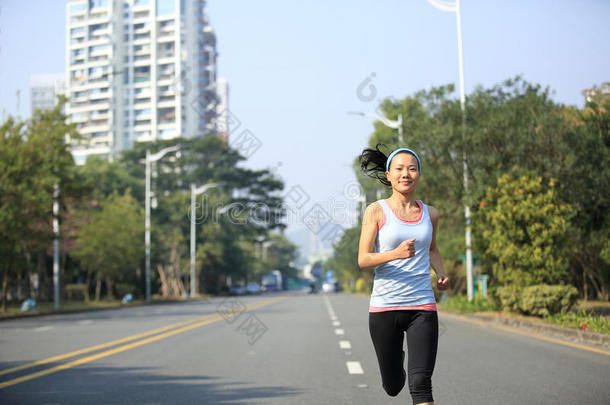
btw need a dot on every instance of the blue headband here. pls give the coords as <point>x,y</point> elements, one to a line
<point>387,165</point>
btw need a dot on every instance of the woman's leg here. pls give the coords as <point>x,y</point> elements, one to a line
<point>387,339</point>
<point>422,344</point>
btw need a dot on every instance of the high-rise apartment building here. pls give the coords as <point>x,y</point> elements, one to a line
<point>138,71</point>
<point>44,89</point>
<point>603,91</point>
<point>222,109</point>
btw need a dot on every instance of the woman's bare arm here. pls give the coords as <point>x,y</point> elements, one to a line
<point>436,261</point>
<point>367,257</point>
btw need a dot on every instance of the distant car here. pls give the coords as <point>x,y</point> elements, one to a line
<point>253,288</point>
<point>328,287</point>
<point>237,289</point>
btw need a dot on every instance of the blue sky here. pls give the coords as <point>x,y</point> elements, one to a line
<point>294,66</point>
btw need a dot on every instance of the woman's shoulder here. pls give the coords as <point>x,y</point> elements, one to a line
<point>375,210</point>
<point>433,212</point>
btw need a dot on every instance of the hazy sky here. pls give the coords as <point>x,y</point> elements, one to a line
<point>294,67</point>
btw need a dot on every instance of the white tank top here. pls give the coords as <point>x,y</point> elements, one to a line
<point>403,283</point>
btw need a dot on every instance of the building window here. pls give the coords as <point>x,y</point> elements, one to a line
<point>141,74</point>
<point>165,7</point>
<point>93,4</point>
<point>78,7</point>
<point>77,31</point>
<point>166,115</point>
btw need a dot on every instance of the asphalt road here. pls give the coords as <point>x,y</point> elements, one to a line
<point>290,348</point>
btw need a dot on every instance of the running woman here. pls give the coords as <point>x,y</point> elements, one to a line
<point>398,238</point>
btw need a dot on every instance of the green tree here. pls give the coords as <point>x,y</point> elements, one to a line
<point>514,124</point>
<point>345,257</point>
<point>281,255</point>
<point>588,179</point>
<point>525,229</point>
<point>34,157</point>
<point>109,244</point>
<point>225,242</point>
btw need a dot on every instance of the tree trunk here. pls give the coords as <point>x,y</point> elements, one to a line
<point>40,293</point>
<point>87,283</point>
<point>98,285</point>
<point>584,286</point>
<point>163,280</point>
<point>4,285</point>
<point>109,294</point>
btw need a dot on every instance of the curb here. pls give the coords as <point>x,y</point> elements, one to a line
<point>593,339</point>
<point>111,308</point>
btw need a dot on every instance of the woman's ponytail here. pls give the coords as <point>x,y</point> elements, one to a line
<point>372,163</point>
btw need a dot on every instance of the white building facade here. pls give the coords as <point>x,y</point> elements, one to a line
<point>44,89</point>
<point>138,71</point>
<point>222,109</point>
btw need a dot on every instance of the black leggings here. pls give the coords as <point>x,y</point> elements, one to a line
<point>387,332</point>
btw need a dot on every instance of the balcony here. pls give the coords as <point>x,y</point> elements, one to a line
<point>77,18</point>
<point>139,37</point>
<point>166,79</point>
<point>140,14</point>
<point>166,91</point>
<point>144,93</point>
<point>142,52</point>
<point>166,38</point>
<point>165,57</point>
<point>99,58</point>
<point>100,53</point>
<point>101,80</point>
<point>143,124</point>
<point>99,32</point>
<point>79,99</point>
<point>145,29</point>
<point>76,41</point>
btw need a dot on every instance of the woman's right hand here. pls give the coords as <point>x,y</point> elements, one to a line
<point>406,249</point>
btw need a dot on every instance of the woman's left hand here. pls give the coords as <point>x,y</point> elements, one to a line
<point>442,283</point>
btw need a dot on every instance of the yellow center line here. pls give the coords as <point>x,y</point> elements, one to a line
<point>176,329</point>
<point>97,347</point>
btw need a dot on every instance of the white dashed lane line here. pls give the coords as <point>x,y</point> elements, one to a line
<point>43,328</point>
<point>85,322</point>
<point>354,367</point>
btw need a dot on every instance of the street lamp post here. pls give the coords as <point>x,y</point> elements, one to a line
<point>387,122</point>
<point>149,159</point>
<point>194,192</point>
<point>455,7</point>
<point>56,246</point>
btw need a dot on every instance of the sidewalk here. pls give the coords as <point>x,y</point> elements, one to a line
<point>537,327</point>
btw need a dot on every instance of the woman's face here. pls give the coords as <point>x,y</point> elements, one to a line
<point>404,172</point>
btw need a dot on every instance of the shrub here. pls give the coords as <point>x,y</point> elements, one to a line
<point>525,226</point>
<point>582,319</point>
<point>460,303</point>
<point>508,297</point>
<point>361,286</point>
<point>76,292</point>
<point>544,300</point>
